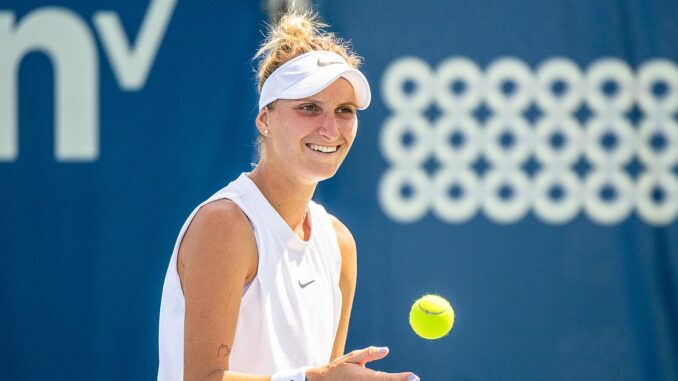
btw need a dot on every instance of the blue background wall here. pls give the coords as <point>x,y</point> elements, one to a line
<point>85,244</point>
<point>578,300</point>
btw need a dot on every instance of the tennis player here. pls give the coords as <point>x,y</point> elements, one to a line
<point>261,280</point>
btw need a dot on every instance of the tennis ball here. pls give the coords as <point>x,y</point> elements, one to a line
<point>431,317</point>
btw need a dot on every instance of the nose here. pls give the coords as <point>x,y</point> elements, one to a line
<point>329,128</point>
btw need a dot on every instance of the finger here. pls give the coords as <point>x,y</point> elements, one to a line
<point>366,355</point>
<point>405,376</point>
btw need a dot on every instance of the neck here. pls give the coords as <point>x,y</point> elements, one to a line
<point>288,196</point>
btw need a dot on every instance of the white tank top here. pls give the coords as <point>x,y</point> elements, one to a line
<point>289,313</point>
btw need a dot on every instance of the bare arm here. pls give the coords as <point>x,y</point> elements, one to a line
<point>217,257</point>
<point>347,283</point>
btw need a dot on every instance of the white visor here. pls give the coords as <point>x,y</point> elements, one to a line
<point>309,74</point>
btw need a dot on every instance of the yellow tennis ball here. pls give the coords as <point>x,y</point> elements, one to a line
<point>431,317</point>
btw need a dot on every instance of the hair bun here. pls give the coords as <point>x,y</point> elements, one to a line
<point>295,27</point>
<point>294,34</point>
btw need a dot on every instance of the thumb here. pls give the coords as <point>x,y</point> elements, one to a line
<point>366,355</point>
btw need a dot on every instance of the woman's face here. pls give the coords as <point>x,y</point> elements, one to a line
<point>310,137</point>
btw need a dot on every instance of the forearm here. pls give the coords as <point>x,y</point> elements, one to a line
<point>234,376</point>
<point>225,375</point>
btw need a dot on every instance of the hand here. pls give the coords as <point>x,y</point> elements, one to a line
<point>352,367</point>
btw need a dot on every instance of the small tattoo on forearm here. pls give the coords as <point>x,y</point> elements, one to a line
<point>225,348</point>
<point>215,371</point>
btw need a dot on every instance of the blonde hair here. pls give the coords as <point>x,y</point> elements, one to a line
<point>294,34</point>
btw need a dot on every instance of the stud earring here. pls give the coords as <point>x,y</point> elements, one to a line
<point>266,131</point>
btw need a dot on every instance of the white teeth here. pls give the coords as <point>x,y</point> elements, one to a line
<point>324,149</point>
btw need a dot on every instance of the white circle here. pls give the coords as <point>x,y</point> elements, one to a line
<point>665,212</point>
<point>573,138</point>
<point>405,209</point>
<point>651,72</point>
<point>514,71</point>
<point>668,156</point>
<point>509,210</point>
<point>468,128</point>
<point>392,135</point>
<point>562,210</point>
<point>615,71</point>
<point>458,69</point>
<point>559,70</point>
<point>459,209</point>
<point>521,134</point>
<point>397,74</point>
<point>622,151</point>
<point>608,212</point>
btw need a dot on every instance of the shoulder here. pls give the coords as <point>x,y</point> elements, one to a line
<point>219,232</point>
<point>219,212</point>
<point>224,218</point>
<point>347,244</point>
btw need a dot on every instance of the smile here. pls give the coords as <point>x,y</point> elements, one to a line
<point>323,149</point>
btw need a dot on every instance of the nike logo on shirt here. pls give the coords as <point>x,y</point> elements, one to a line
<point>303,285</point>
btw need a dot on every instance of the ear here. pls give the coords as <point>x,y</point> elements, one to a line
<point>262,121</point>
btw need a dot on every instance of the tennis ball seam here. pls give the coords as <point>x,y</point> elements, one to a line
<point>424,310</point>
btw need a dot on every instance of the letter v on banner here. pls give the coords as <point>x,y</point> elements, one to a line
<point>132,63</point>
